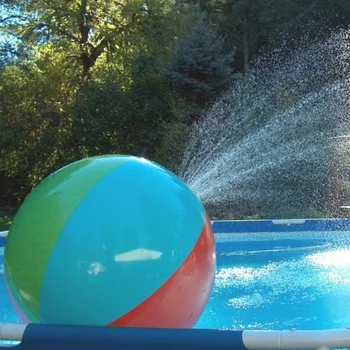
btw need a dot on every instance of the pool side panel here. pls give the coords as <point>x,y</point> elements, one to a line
<point>49,337</point>
<point>281,225</point>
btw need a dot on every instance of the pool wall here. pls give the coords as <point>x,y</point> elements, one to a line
<point>281,225</point>
<point>3,234</point>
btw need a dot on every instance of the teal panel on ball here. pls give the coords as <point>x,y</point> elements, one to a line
<point>128,236</point>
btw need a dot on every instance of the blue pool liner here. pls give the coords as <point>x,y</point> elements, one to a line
<point>292,225</point>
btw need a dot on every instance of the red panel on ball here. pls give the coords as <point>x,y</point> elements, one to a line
<point>180,301</point>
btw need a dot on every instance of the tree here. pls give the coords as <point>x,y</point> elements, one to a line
<point>198,66</point>
<point>88,31</point>
<point>256,26</point>
<point>35,123</point>
<point>87,83</point>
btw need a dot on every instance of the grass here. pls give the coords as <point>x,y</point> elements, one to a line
<point>5,222</point>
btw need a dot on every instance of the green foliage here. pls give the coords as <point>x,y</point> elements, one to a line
<point>89,31</point>
<point>253,27</point>
<point>95,126</point>
<point>254,217</point>
<point>198,66</point>
<point>48,118</point>
<point>82,77</point>
<point>147,109</point>
<point>114,120</point>
<point>46,122</point>
<point>175,134</point>
<point>5,223</point>
<point>34,123</point>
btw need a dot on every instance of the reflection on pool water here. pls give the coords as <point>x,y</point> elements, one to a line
<point>281,281</point>
<point>270,281</point>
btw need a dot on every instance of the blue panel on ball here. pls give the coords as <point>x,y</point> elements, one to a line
<point>128,236</point>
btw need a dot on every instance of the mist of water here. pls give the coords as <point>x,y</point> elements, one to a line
<point>274,142</point>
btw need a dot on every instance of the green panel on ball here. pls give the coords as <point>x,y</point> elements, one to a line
<point>26,256</point>
<point>19,304</point>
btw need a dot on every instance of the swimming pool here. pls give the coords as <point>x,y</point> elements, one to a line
<point>271,275</point>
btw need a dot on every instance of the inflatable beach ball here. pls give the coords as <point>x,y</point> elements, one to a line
<point>111,240</point>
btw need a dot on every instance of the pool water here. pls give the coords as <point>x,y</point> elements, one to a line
<point>7,312</point>
<point>281,281</point>
<point>270,281</point>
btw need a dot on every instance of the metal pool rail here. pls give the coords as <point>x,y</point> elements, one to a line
<point>56,337</point>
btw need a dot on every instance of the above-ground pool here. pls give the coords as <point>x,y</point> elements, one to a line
<point>290,277</point>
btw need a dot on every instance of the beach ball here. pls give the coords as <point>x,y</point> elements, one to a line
<point>111,240</point>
